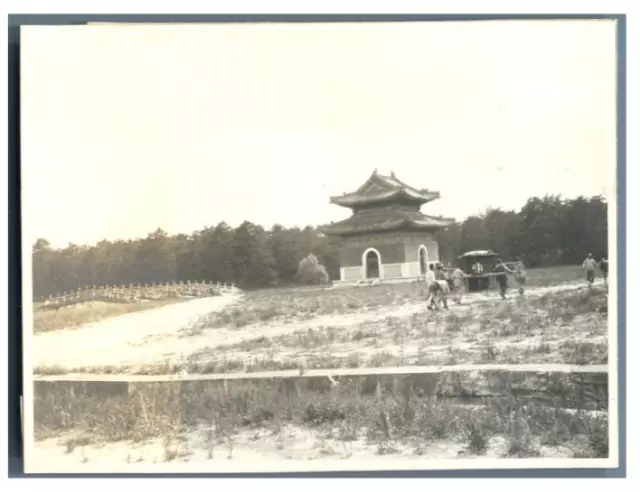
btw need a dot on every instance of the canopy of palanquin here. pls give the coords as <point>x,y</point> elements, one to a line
<point>481,253</point>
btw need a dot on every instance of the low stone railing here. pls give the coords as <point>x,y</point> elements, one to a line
<point>136,292</point>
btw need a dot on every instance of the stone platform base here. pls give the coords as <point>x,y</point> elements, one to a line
<point>376,281</point>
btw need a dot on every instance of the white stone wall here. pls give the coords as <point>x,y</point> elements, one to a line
<point>412,250</point>
<point>388,271</point>
<point>432,251</point>
<point>412,269</point>
<point>351,273</point>
<point>392,270</point>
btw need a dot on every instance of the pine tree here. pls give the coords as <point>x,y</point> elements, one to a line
<point>252,259</point>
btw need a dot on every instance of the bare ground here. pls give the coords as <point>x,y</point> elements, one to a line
<point>78,315</point>
<point>292,447</point>
<point>135,338</point>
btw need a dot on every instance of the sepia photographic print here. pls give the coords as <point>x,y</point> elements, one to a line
<point>319,246</point>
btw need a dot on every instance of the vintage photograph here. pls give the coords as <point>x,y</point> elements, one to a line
<point>319,246</point>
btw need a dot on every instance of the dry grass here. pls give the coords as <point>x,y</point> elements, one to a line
<point>567,327</point>
<point>291,305</point>
<point>89,312</point>
<point>385,421</point>
<point>545,277</point>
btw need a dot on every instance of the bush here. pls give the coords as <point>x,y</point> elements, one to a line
<point>311,272</point>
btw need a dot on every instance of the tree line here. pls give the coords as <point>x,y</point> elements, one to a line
<point>546,231</point>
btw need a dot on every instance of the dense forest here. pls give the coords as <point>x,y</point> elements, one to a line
<point>546,231</point>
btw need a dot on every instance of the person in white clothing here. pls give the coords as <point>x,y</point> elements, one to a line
<point>589,265</point>
<point>520,275</point>
<point>433,287</point>
<point>443,283</point>
<point>458,277</point>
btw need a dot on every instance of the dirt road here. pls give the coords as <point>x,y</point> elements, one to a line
<point>123,340</point>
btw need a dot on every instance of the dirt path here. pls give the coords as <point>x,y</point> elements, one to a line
<point>161,335</point>
<point>122,340</point>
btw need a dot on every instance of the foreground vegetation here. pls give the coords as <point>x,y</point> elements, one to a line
<point>384,421</point>
<point>212,421</point>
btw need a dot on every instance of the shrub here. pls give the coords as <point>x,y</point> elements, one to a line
<point>311,272</point>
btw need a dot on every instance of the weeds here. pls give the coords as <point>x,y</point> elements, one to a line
<point>477,436</point>
<point>490,354</point>
<point>72,443</point>
<point>386,419</point>
<point>170,447</point>
<point>520,439</point>
<point>575,352</point>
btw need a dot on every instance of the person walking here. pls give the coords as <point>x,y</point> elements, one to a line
<point>449,275</point>
<point>604,268</point>
<point>443,283</point>
<point>458,277</point>
<point>589,266</point>
<point>432,286</point>
<point>501,269</point>
<point>520,275</point>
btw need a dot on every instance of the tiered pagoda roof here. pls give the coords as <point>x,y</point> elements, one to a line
<point>379,189</point>
<point>384,203</point>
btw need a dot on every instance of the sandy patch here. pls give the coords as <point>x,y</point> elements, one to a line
<point>135,338</point>
<point>288,448</point>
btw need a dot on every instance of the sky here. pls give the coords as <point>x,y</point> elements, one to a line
<point>126,129</point>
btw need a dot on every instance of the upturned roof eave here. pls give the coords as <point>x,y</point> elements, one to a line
<point>354,199</point>
<point>348,230</point>
<point>439,222</point>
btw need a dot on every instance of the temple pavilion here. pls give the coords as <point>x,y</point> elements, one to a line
<point>386,237</point>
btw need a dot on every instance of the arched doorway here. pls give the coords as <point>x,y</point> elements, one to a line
<point>423,259</point>
<point>371,260</point>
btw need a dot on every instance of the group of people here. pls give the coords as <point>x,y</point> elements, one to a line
<point>518,272</point>
<point>590,265</point>
<point>441,284</point>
